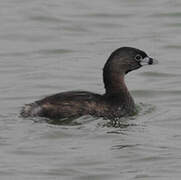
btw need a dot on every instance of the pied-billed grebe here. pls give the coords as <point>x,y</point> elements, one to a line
<point>116,102</point>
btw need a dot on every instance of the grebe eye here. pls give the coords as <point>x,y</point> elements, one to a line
<point>138,57</point>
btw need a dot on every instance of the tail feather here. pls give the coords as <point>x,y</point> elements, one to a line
<point>31,110</point>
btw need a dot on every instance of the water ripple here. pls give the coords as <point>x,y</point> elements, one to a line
<point>41,51</point>
<point>159,74</point>
<point>169,14</point>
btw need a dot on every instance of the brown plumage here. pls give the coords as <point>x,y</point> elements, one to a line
<point>116,102</point>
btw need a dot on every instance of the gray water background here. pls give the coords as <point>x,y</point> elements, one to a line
<point>53,46</point>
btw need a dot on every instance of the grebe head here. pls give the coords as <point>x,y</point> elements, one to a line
<point>126,59</point>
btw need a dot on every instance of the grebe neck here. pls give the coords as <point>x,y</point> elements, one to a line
<point>117,91</point>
